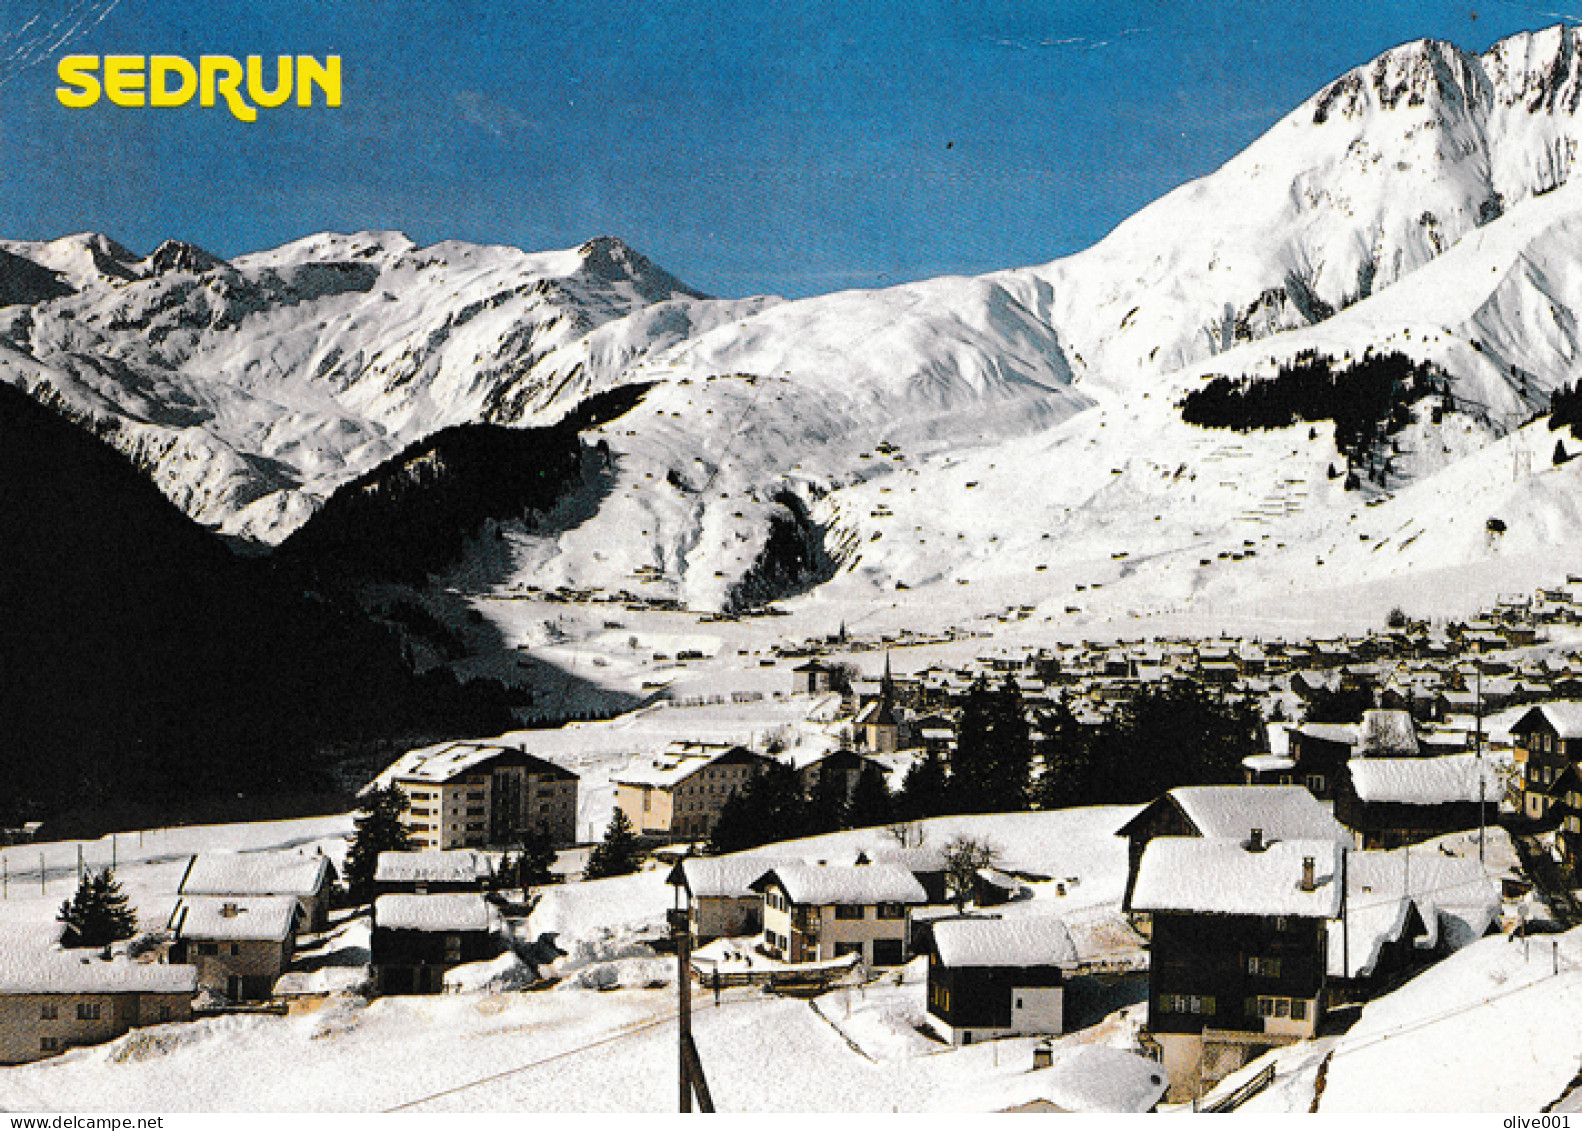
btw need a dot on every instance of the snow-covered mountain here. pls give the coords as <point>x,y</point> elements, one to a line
<point>1013,439</point>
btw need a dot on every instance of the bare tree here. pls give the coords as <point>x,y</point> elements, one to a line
<point>908,834</point>
<point>964,857</point>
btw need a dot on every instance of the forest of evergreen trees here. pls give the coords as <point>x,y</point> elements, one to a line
<point>1366,399</point>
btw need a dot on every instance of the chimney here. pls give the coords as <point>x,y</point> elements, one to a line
<point>230,910</point>
<point>1309,880</point>
<point>1255,841</point>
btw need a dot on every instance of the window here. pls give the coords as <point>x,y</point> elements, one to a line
<point>88,1011</point>
<point>1263,967</point>
<point>164,1013</point>
<point>849,911</point>
<point>236,948</point>
<point>888,952</point>
<point>892,911</point>
<point>1186,1003</point>
<point>844,948</point>
<point>49,1011</point>
<point>49,1044</point>
<point>208,948</point>
<point>1280,1008</point>
<point>1315,783</point>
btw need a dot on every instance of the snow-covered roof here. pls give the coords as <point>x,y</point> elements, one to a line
<point>1268,763</point>
<point>1421,781</point>
<point>1025,941</point>
<point>448,866</point>
<point>255,873</point>
<point>451,911</point>
<point>1095,1079</point>
<point>1455,899</point>
<point>448,760</point>
<point>1564,715</point>
<point>722,877</point>
<point>1343,733</point>
<point>1283,812</point>
<point>834,883</point>
<point>62,974</point>
<point>250,918</point>
<point>1220,875</point>
<point>679,762</point>
<point>1386,734</point>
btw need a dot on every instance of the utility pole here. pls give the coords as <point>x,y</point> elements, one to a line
<point>1478,750</point>
<point>692,1080</point>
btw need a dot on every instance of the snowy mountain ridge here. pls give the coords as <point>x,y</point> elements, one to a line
<point>1007,439</point>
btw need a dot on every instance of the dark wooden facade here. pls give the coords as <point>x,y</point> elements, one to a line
<point>1392,824</point>
<point>1211,972</point>
<point>980,997</point>
<point>1319,762</point>
<point>415,961</point>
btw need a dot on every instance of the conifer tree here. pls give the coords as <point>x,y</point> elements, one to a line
<point>924,789</point>
<point>533,863</point>
<point>378,829</point>
<point>98,914</point>
<point>619,853</point>
<point>871,803</point>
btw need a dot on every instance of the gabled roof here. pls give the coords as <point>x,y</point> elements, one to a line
<point>1283,812</point>
<point>448,866</point>
<point>1422,781</point>
<point>435,765</point>
<point>1564,716</point>
<point>256,918</point>
<point>721,877</point>
<point>854,884</point>
<point>255,873</point>
<point>1221,876</point>
<point>1041,940</point>
<point>452,911</point>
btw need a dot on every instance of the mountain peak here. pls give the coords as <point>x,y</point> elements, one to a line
<point>610,260</point>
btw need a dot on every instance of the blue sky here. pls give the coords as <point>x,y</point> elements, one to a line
<point>789,147</point>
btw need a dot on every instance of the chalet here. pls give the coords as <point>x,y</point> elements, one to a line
<point>814,913</point>
<point>721,901</point>
<point>416,939</point>
<point>239,945</point>
<point>1566,810</point>
<point>431,872</point>
<point>1389,802</point>
<point>58,1003</point>
<point>679,793</point>
<point>1548,739</point>
<point>812,678</point>
<point>1239,950</point>
<point>1318,751</point>
<point>305,878</point>
<point>1283,812</point>
<point>475,794</point>
<point>990,978</point>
